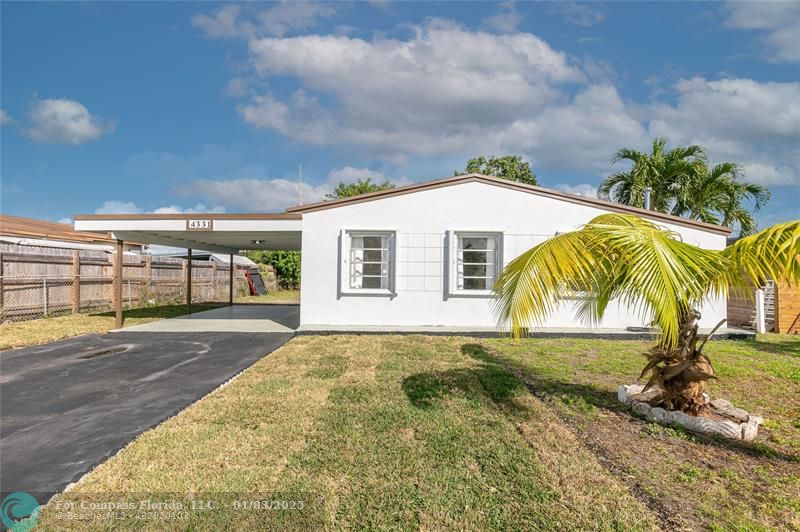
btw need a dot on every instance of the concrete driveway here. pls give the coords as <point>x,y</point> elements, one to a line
<point>237,318</point>
<point>69,405</point>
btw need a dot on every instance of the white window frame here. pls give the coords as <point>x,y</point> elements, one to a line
<point>346,236</point>
<point>454,258</point>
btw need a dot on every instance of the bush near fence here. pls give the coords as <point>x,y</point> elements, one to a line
<point>40,282</point>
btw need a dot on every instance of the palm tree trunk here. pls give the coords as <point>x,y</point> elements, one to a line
<point>681,373</point>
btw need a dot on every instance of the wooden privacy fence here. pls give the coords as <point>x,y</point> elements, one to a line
<point>787,309</point>
<point>35,284</point>
<point>780,308</point>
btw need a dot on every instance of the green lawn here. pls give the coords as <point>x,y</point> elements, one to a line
<point>697,482</point>
<point>445,432</point>
<point>34,332</point>
<point>278,297</point>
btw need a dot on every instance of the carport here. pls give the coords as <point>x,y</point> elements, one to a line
<point>218,233</point>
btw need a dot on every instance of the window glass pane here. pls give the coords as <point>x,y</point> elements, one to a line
<point>372,242</point>
<point>474,284</point>
<point>481,257</point>
<point>477,257</point>
<point>370,256</point>
<point>372,269</point>
<point>372,282</point>
<point>474,242</point>
<point>475,270</point>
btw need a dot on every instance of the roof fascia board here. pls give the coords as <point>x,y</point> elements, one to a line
<point>198,216</point>
<point>522,187</point>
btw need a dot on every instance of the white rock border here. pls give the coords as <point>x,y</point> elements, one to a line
<point>746,429</point>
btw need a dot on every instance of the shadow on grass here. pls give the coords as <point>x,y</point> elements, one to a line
<point>574,395</point>
<point>786,345</point>
<point>491,380</point>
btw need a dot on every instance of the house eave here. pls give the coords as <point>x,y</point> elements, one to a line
<point>522,187</point>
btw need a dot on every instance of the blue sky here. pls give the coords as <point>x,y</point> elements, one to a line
<point>167,107</point>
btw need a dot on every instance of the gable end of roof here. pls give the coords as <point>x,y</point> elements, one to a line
<point>522,187</point>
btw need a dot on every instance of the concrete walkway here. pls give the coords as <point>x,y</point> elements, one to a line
<point>633,333</point>
<point>238,318</point>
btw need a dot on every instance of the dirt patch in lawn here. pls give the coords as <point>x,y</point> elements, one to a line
<point>691,482</point>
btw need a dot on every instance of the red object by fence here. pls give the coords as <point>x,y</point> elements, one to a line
<point>250,282</point>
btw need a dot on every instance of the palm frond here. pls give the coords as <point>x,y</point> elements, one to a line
<point>529,287</point>
<point>770,254</point>
<point>627,154</point>
<point>613,257</point>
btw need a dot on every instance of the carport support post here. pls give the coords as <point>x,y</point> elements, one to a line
<point>230,281</point>
<point>189,283</point>
<point>118,284</point>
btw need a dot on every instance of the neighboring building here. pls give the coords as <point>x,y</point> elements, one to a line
<point>416,256</point>
<point>220,258</point>
<point>45,234</point>
<point>257,273</point>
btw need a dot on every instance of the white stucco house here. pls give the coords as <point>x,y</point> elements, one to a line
<point>414,257</point>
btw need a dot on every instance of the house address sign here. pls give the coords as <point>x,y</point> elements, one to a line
<point>199,225</point>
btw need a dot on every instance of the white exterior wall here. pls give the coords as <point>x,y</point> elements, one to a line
<point>421,221</point>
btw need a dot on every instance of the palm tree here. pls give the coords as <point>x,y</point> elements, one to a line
<point>653,272</point>
<point>716,195</point>
<point>662,170</point>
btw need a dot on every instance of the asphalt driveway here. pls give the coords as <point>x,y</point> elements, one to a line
<point>67,406</point>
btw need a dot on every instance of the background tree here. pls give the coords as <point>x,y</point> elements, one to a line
<point>652,272</point>
<point>511,167</point>
<point>718,194</point>
<point>362,186</point>
<point>684,184</point>
<point>286,264</point>
<point>662,170</point>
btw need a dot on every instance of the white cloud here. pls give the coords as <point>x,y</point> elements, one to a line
<point>129,207</point>
<point>580,13</point>
<point>445,89</point>
<point>276,194</point>
<point>584,189</point>
<point>351,174</point>
<point>199,208</point>
<point>223,24</point>
<point>64,121</point>
<point>779,21</point>
<point>258,195</point>
<point>67,221</point>
<point>447,92</point>
<point>237,87</point>
<point>507,20</point>
<point>5,118</point>
<point>290,15</point>
<point>581,134</point>
<point>118,207</point>
<point>741,120</point>
<point>278,20</point>
<point>757,110</point>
